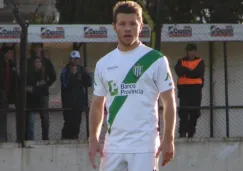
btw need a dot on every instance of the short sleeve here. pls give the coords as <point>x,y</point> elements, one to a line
<point>163,77</point>
<point>99,88</point>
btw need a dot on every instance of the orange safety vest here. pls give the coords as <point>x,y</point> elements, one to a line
<point>183,80</point>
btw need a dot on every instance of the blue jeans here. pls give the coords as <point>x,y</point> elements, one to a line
<point>44,116</point>
<point>30,125</point>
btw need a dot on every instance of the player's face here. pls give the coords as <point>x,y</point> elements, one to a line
<point>127,27</point>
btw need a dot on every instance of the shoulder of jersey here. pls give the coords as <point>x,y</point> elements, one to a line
<point>156,51</point>
<point>105,59</point>
<point>109,56</point>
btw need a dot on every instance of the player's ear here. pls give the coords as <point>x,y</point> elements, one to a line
<point>141,27</point>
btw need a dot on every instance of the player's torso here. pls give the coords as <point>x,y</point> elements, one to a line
<point>132,97</point>
<point>127,75</point>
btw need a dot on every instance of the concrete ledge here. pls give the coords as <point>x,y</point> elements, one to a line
<point>197,154</point>
<point>56,142</point>
<point>224,139</point>
<point>181,140</point>
<point>85,142</point>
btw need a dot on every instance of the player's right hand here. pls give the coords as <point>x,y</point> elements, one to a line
<point>167,149</point>
<point>94,147</point>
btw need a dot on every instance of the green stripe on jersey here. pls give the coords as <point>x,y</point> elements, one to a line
<point>145,61</point>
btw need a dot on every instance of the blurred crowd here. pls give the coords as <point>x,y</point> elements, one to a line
<point>41,75</point>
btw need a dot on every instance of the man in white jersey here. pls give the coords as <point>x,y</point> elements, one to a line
<point>129,80</point>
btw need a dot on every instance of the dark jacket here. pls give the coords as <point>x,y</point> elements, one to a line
<point>72,87</point>
<point>11,97</point>
<point>49,73</point>
<point>34,98</point>
<point>198,72</point>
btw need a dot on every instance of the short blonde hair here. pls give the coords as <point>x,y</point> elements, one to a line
<point>127,7</point>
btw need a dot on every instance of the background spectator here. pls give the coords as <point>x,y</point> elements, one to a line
<point>8,86</point>
<point>190,72</point>
<point>74,78</point>
<point>44,78</point>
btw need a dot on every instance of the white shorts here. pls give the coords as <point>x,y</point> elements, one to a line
<point>129,162</point>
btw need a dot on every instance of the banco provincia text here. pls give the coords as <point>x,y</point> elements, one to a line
<point>127,89</point>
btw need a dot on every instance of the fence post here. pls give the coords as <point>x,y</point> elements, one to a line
<point>211,87</point>
<point>157,45</point>
<point>23,53</point>
<point>226,88</point>
<point>158,26</point>
<point>86,92</point>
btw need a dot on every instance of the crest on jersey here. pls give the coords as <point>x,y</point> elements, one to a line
<point>137,70</point>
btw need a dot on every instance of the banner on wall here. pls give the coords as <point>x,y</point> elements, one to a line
<point>10,32</point>
<point>180,31</point>
<point>52,32</point>
<point>95,32</point>
<point>201,32</point>
<point>106,33</point>
<point>222,31</point>
<point>145,33</point>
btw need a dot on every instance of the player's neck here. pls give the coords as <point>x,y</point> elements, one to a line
<point>126,48</point>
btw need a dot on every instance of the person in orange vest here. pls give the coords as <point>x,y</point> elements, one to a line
<point>190,71</point>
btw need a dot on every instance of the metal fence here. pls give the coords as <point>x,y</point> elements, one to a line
<point>221,104</point>
<point>222,94</point>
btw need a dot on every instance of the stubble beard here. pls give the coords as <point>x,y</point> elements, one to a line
<point>127,44</point>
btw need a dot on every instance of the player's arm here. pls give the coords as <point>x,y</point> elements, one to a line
<point>96,116</point>
<point>97,106</point>
<point>165,85</point>
<point>169,114</point>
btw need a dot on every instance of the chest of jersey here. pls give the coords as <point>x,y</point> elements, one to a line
<point>127,77</point>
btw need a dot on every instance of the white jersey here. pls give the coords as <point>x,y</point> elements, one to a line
<point>132,81</point>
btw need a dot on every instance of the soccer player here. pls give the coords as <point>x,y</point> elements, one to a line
<point>129,80</point>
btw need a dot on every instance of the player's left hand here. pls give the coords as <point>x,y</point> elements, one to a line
<point>168,149</point>
<point>94,147</point>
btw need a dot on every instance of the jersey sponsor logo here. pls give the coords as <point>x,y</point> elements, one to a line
<point>100,32</point>
<point>176,31</point>
<point>123,89</point>
<point>137,70</point>
<point>113,89</point>
<point>10,32</point>
<point>128,89</point>
<point>52,33</point>
<point>224,31</point>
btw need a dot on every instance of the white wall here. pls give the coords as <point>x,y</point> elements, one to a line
<point>196,155</point>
